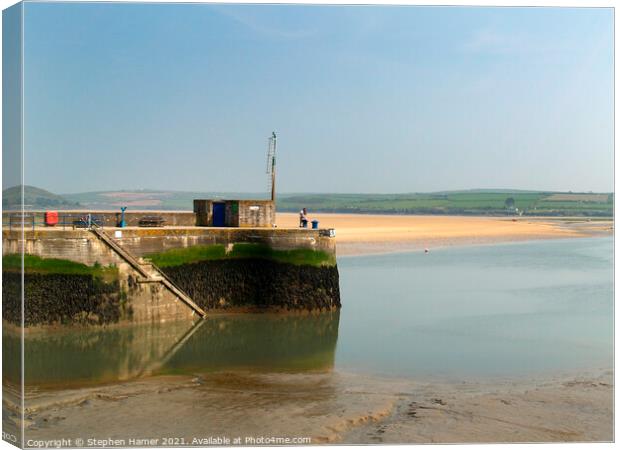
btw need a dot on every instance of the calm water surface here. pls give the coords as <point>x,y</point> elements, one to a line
<point>497,310</point>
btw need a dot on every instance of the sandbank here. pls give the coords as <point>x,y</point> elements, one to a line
<point>364,234</point>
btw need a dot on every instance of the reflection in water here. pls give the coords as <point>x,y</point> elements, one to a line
<point>261,342</point>
<point>84,356</point>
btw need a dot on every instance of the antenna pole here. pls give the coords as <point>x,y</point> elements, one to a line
<point>273,167</point>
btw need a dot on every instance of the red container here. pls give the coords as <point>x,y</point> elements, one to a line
<point>51,218</point>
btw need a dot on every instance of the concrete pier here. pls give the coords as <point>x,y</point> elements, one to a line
<point>80,245</point>
<point>220,269</point>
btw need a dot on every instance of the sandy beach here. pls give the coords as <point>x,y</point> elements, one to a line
<point>364,234</point>
<point>327,407</point>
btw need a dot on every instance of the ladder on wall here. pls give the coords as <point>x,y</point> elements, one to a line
<point>155,274</point>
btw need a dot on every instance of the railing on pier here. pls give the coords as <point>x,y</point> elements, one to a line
<point>21,221</point>
<point>67,220</point>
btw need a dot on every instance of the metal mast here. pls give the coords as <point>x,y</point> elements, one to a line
<point>271,164</point>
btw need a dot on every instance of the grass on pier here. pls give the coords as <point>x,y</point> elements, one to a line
<point>179,256</point>
<point>36,264</point>
<point>188,255</point>
<point>299,256</point>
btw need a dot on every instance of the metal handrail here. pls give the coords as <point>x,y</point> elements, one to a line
<point>163,275</point>
<point>169,280</point>
<point>22,221</point>
<point>34,219</point>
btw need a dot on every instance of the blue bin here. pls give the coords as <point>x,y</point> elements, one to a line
<point>315,224</point>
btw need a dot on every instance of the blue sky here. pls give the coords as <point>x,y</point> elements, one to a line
<point>364,99</point>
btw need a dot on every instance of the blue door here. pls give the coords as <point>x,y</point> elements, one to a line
<point>219,214</point>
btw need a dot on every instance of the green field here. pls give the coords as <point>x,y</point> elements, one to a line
<point>475,202</point>
<point>472,202</point>
<point>468,203</point>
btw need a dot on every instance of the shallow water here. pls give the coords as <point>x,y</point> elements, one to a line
<point>497,310</point>
<point>500,310</point>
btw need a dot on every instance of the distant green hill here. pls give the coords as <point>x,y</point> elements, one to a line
<point>34,198</point>
<point>472,202</point>
<point>496,202</point>
<point>467,202</point>
<point>150,199</point>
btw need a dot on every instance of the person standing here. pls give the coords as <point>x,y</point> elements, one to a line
<point>303,218</point>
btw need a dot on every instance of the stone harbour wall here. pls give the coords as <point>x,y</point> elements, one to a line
<point>244,283</point>
<point>85,299</point>
<point>83,246</point>
<point>258,284</point>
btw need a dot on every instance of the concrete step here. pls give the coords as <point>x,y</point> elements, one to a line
<point>150,272</point>
<point>151,280</point>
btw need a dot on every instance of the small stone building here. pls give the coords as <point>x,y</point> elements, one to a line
<point>235,213</point>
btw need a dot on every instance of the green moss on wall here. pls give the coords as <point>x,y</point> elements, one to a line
<point>188,255</point>
<point>36,264</point>
<point>179,256</point>
<point>300,256</point>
